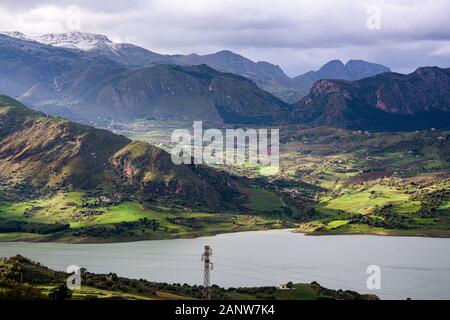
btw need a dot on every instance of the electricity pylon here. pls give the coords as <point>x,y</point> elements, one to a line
<point>208,265</point>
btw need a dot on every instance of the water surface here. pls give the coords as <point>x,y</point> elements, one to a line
<point>410,266</point>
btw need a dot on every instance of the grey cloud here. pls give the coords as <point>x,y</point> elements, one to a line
<point>299,35</point>
<point>105,6</point>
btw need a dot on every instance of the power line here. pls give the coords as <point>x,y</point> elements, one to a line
<point>315,276</point>
<point>130,267</point>
<point>261,279</point>
<point>239,275</point>
<point>96,255</point>
<point>146,255</point>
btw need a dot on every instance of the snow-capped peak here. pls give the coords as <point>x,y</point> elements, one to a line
<point>15,34</point>
<point>75,40</point>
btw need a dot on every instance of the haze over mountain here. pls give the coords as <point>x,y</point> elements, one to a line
<point>55,154</point>
<point>266,75</point>
<point>389,101</point>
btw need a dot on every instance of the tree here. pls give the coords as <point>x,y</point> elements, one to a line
<point>60,293</point>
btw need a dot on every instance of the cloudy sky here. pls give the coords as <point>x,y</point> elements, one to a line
<point>298,35</point>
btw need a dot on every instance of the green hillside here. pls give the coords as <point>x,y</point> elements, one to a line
<point>60,180</point>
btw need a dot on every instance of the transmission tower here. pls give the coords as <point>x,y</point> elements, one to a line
<point>208,265</point>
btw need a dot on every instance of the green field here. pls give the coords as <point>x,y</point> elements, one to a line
<point>262,200</point>
<point>328,180</point>
<point>362,201</point>
<point>91,220</point>
<point>358,173</point>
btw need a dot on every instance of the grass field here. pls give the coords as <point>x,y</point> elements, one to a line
<point>360,172</point>
<point>363,172</point>
<point>324,174</point>
<point>83,213</point>
<point>262,200</point>
<point>87,292</point>
<point>363,201</point>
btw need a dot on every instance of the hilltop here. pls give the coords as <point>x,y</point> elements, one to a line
<point>54,153</point>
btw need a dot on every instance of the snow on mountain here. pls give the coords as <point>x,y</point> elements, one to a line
<point>123,53</point>
<point>76,40</point>
<point>72,40</point>
<point>15,34</point>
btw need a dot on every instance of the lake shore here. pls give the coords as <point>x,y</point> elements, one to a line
<point>21,237</point>
<point>264,258</point>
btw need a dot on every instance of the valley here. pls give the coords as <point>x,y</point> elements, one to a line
<point>164,150</point>
<point>63,181</point>
<point>336,181</point>
<point>331,181</point>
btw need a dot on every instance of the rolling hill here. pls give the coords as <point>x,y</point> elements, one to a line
<point>48,154</point>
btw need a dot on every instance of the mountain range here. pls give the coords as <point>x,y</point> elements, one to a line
<point>86,76</point>
<point>80,85</point>
<point>266,75</point>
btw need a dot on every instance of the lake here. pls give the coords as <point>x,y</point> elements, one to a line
<point>410,266</point>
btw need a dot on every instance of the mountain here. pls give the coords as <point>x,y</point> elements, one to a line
<point>389,101</point>
<point>263,73</point>
<point>123,54</point>
<point>352,70</point>
<point>128,55</point>
<point>267,76</point>
<point>336,69</point>
<point>83,76</point>
<point>47,153</point>
<point>172,92</point>
<point>81,85</point>
<point>27,63</point>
